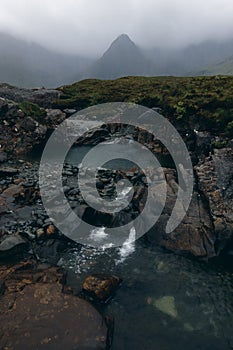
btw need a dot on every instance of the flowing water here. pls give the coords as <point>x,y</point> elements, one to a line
<point>166,301</point>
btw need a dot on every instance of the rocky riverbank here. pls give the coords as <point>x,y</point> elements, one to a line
<point>206,230</point>
<point>27,234</point>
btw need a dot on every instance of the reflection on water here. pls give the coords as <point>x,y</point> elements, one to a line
<point>77,153</point>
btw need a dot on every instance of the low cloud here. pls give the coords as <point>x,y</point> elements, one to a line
<point>87,27</point>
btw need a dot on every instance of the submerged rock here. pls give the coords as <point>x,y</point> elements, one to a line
<point>165,304</point>
<point>101,287</point>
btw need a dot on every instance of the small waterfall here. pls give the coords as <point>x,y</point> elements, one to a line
<point>128,247</point>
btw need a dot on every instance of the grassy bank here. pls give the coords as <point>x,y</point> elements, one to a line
<point>202,102</point>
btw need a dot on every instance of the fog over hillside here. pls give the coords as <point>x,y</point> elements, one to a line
<point>47,45</point>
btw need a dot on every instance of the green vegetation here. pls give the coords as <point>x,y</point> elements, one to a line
<point>202,102</point>
<point>219,144</point>
<point>33,110</point>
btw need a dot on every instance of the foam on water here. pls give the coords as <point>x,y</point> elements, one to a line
<point>98,234</point>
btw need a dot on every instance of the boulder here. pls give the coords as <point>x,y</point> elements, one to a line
<point>29,124</point>
<point>11,245</point>
<point>101,287</point>
<point>54,117</point>
<point>36,314</point>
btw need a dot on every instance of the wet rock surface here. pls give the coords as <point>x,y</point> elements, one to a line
<point>101,287</point>
<point>35,313</point>
<point>11,245</point>
<point>195,234</point>
<point>35,309</point>
<point>215,178</point>
<point>204,232</point>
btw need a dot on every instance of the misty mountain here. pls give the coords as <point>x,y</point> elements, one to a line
<point>124,58</point>
<point>30,65</point>
<point>121,59</point>
<point>191,59</point>
<point>224,67</point>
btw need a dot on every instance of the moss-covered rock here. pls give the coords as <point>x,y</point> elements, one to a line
<point>33,110</point>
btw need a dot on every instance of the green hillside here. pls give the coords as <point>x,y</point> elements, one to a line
<point>205,103</point>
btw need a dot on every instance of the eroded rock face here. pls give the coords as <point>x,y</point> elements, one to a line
<point>195,234</point>
<point>215,178</point>
<point>36,314</point>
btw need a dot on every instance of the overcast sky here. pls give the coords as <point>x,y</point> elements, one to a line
<point>88,27</point>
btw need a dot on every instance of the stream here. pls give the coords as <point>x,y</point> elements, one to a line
<point>166,301</point>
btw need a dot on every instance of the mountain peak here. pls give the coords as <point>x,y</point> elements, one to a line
<point>121,40</point>
<point>122,58</point>
<point>123,37</point>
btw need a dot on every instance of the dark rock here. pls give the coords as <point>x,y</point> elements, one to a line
<point>8,171</point>
<point>3,157</point>
<point>101,287</point>
<point>195,234</point>
<point>35,314</point>
<point>29,124</point>
<point>12,192</point>
<point>11,245</point>
<point>54,117</point>
<point>93,137</point>
<point>215,178</point>
<point>3,106</point>
<point>203,142</point>
<point>43,97</point>
<point>49,250</point>
<point>3,206</point>
<point>100,185</point>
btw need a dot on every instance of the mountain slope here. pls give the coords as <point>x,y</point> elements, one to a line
<point>222,68</point>
<point>189,60</point>
<point>29,65</point>
<point>121,59</point>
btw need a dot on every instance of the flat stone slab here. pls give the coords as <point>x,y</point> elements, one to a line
<point>40,316</point>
